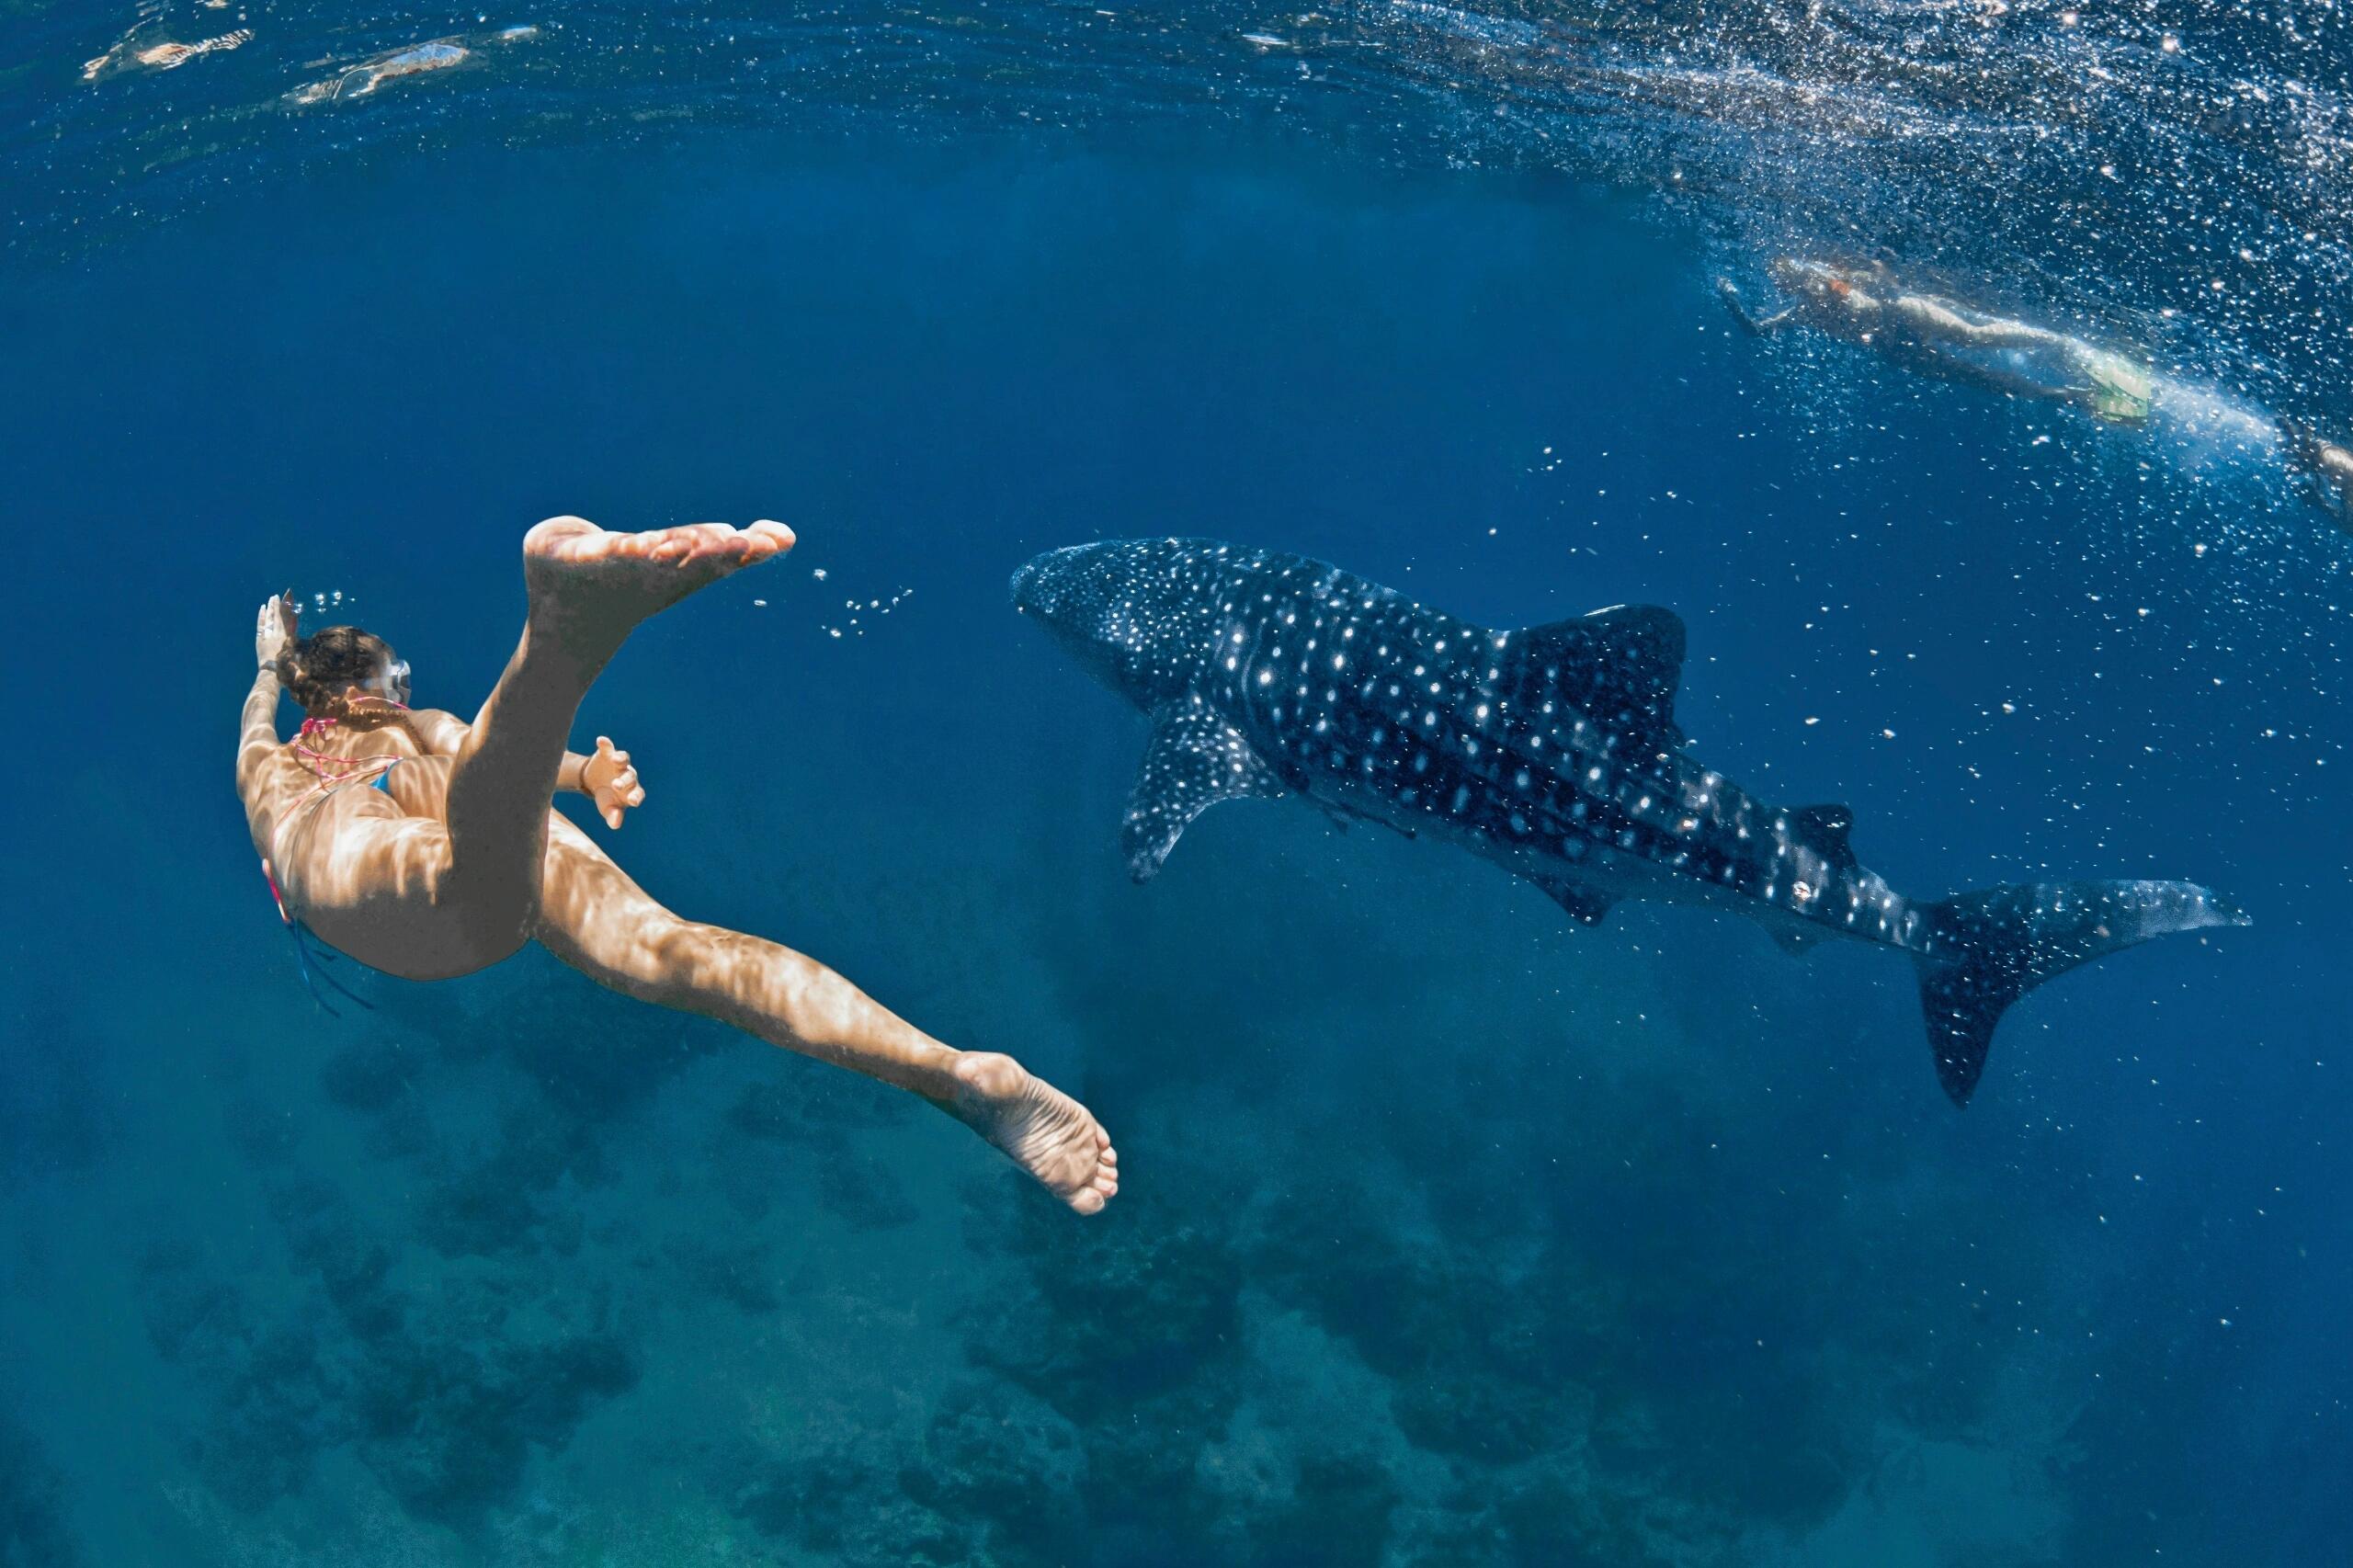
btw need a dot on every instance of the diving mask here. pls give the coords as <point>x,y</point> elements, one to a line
<point>389,681</point>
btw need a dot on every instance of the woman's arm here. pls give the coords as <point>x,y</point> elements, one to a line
<point>1754,325</point>
<point>441,735</point>
<point>273,634</point>
<point>609,779</point>
<point>605,778</point>
<point>445,734</point>
<point>257,739</point>
<point>257,733</point>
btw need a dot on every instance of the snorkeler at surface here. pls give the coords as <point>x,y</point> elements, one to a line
<point>1867,306</point>
<point>457,860</point>
<point>2327,464</point>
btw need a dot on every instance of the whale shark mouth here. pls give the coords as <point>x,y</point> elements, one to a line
<point>1033,587</point>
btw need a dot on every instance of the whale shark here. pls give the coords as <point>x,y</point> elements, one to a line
<point>1552,751</point>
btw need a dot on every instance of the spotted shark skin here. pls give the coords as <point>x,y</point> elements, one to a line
<point>1551,750</point>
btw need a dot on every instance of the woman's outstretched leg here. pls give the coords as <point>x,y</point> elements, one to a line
<point>598,921</point>
<point>587,589</point>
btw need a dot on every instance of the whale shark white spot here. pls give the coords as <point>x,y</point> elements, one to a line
<point>1156,620</point>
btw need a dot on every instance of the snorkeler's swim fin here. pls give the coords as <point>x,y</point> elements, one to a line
<point>2121,391</point>
<point>1990,948</point>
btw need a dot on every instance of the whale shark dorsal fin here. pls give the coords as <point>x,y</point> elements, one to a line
<point>1824,829</point>
<point>1621,665</point>
<point>1194,760</point>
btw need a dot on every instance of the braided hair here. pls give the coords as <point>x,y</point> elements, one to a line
<point>319,669</point>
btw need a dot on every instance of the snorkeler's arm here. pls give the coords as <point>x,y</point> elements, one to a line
<point>610,778</point>
<point>1751,324</point>
<point>445,734</point>
<point>258,735</point>
<point>605,778</point>
<point>441,734</point>
<point>259,738</point>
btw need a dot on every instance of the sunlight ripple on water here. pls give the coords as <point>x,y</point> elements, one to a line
<point>2078,167</point>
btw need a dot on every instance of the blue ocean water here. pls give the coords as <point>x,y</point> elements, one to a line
<point>1448,1233</point>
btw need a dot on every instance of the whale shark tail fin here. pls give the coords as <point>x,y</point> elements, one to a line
<point>1988,949</point>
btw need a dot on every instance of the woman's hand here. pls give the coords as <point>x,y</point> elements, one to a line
<point>610,780</point>
<point>275,627</point>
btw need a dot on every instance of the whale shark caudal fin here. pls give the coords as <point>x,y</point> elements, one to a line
<point>1988,949</point>
<point>1194,760</point>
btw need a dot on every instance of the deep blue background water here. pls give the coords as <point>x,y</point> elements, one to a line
<point>1449,1234</point>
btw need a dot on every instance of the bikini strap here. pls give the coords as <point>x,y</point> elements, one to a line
<point>276,897</point>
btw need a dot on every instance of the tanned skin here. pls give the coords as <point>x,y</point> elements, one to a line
<point>1867,307</point>
<point>463,862</point>
<point>2329,465</point>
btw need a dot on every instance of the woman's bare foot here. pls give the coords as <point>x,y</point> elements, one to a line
<point>1042,1129</point>
<point>590,588</point>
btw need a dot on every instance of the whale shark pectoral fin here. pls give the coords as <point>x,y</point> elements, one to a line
<point>1825,830</point>
<point>1586,906</point>
<point>1621,666</point>
<point>1194,760</point>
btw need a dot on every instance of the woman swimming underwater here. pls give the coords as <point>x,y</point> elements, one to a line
<point>457,860</point>
<point>1867,306</point>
